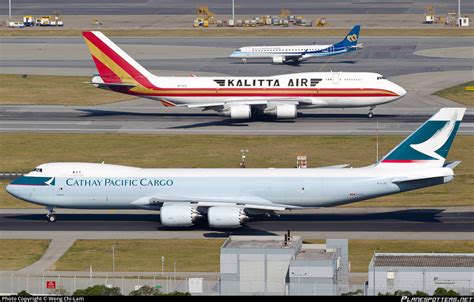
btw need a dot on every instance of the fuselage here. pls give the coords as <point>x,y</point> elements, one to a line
<point>102,186</point>
<point>314,89</point>
<point>302,51</point>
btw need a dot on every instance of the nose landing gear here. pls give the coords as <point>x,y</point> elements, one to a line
<point>371,112</point>
<point>51,216</point>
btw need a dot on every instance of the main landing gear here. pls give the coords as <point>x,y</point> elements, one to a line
<point>371,112</point>
<point>51,216</point>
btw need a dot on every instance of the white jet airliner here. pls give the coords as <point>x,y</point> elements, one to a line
<point>298,53</point>
<point>239,97</point>
<point>229,197</point>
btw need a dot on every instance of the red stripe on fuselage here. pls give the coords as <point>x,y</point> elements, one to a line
<point>165,93</point>
<point>127,67</point>
<point>401,161</point>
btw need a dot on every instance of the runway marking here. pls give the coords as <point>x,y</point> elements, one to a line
<point>46,122</point>
<point>210,130</point>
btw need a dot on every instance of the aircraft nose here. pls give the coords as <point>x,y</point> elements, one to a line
<point>16,190</point>
<point>400,90</point>
<point>12,190</point>
<point>9,189</point>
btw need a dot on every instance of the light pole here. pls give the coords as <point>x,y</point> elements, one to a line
<point>233,10</point>
<point>459,10</point>
<point>113,265</point>
<point>162,265</point>
<point>175,270</point>
<point>9,10</point>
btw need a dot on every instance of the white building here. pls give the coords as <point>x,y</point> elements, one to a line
<point>389,272</point>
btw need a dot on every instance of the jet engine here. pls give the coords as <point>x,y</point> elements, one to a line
<point>281,110</point>
<point>279,60</point>
<point>237,111</point>
<point>178,215</point>
<point>226,217</point>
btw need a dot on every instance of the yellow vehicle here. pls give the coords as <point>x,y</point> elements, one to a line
<point>43,21</point>
<point>200,22</point>
<point>28,21</point>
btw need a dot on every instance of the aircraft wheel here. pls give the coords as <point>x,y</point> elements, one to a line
<point>51,218</point>
<point>371,114</point>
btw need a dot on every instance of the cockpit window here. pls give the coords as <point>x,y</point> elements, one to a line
<point>381,78</point>
<point>38,170</point>
<point>237,50</point>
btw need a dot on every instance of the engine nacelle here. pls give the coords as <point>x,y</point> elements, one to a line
<point>281,110</point>
<point>226,217</point>
<point>237,111</point>
<point>278,60</point>
<point>178,215</point>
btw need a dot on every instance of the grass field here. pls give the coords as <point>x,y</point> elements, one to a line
<point>458,94</point>
<point>54,90</point>
<point>17,254</point>
<point>24,151</point>
<point>244,32</point>
<point>203,255</point>
<point>142,255</point>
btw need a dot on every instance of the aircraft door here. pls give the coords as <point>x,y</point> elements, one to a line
<point>335,78</point>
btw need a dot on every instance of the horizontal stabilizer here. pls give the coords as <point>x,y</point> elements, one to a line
<point>111,85</point>
<point>452,164</point>
<point>403,179</point>
<point>337,166</point>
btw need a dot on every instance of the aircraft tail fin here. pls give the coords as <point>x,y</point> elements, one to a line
<point>114,65</point>
<point>351,38</point>
<point>429,144</point>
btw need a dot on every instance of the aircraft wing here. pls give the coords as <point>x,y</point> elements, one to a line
<point>250,102</point>
<point>247,202</point>
<point>295,58</point>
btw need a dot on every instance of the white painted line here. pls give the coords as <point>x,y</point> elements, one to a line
<point>46,123</point>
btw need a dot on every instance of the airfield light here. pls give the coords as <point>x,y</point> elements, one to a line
<point>243,156</point>
<point>162,264</point>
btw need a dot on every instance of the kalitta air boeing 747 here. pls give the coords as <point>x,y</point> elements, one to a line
<point>239,97</point>
<point>229,197</point>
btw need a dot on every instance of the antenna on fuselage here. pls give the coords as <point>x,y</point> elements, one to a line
<point>377,144</point>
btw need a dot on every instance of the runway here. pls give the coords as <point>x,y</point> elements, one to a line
<point>390,56</point>
<point>404,220</point>
<point>159,120</point>
<point>394,57</point>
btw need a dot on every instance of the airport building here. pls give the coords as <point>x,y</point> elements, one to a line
<point>424,272</point>
<point>283,265</point>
